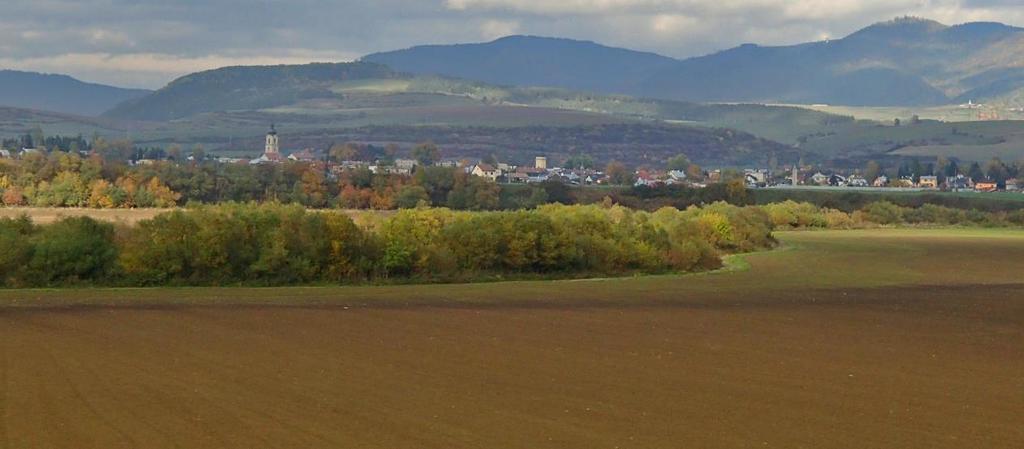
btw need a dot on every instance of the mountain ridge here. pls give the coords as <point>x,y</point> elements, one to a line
<point>907,61</point>
<point>60,93</point>
<point>529,61</point>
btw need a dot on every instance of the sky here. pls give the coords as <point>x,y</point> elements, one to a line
<point>147,43</point>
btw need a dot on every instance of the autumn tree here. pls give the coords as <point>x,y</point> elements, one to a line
<point>872,171</point>
<point>343,152</point>
<point>618,174</point>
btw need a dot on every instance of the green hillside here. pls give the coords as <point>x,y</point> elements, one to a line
<point>244,88</point>
<point>364,94</point>
<point>968,141</point>
<point>16,122</point>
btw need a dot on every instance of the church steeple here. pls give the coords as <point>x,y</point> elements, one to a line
<point>272,147</point>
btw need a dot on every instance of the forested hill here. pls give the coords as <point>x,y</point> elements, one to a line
<point>531,61</point>
<point>246,88</point>
<point>905,62</point>
<point>60,93</point>
<point>902,62</point>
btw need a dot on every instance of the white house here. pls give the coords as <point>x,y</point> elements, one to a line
<point>676,177</point>
<point>856,181</point>
<point>486,171</point>
<point>820,179</point>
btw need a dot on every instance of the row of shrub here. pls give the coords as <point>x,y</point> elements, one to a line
<point>853,200</point>
<point>791,214</point>
<point>276,244</point>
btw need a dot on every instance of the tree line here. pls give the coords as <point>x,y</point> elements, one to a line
<point>791,214</point>
<point>274,244</point>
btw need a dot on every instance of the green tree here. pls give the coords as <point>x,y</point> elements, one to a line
<point>426,153</point>
<point>15,236</point>
<point>997,171</point>
<point>679,162</point>
<point>872,171</point>
<point>411,196</point>
<point>72,251</point>
<point>579,161</point>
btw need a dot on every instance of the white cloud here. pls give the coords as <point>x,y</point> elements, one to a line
<point>492,29</point>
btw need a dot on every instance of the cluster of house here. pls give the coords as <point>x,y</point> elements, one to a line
<point>760,178</point>
<point>512,174</point>
<point>958,183</point>
<point>8,154</point>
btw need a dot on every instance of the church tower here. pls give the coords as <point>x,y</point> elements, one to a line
<point>272,149</point>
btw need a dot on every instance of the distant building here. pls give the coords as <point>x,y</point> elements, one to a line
<point>837,180</point>
<point>400,167</point>
<point>757,178</point>
<point>4,154</point>
<point>881,181</point>
<point>986,186</point>
<point>959,183</point>
<point>406,166</point>
<point>541,162</point>
<point>856,181</point>
<point>594,178</point>
<point>306,155</point>
<point>676,177</point>
<point>714,176</point>
<point>486,171</point>
<point>517,177</point>
<point>1012,185</point>
<point>928,182</point>
<point>649,178</point>
<point>271,151</point>
<point>532,174</point>
<point>820,179</point>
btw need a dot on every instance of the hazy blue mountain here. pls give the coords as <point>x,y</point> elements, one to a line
<point>530,61</point>
<point>905,62</point>
<point>60,93</point>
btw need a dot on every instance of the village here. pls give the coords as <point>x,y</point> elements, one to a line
<point>692,176</point>
<point>542,170</point>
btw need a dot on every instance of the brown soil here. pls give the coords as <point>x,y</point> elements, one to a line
<point>911,367</point>
<point>751,364</point>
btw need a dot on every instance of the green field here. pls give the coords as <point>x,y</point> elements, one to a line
<point>947,113</point>
<point>860,339</point>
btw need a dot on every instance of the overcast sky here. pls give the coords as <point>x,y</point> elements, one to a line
<point>146,43</point>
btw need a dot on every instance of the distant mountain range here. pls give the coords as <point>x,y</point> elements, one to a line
<point>554,85</point>
<point>60,93</point>
<point>532,61</point>
<point>365,94</point>
<point>904,62</point>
